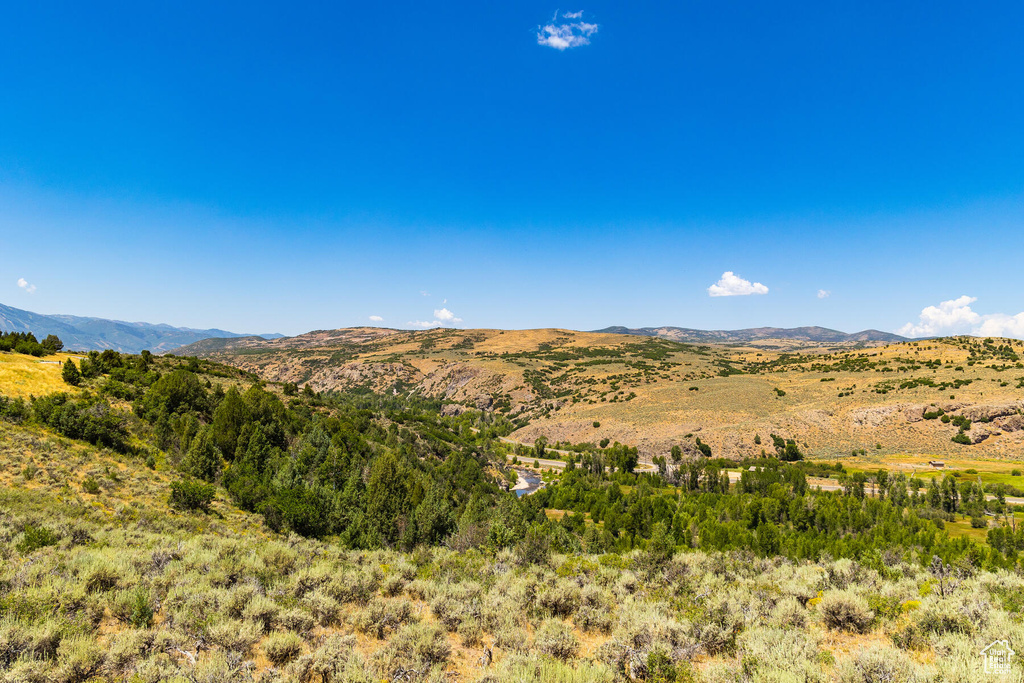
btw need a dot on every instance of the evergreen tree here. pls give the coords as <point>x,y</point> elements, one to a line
<point>203,459</point>
<point>70,373</point>
<point>385,497</point>
<point>52,343</point>
<point>228,421</point>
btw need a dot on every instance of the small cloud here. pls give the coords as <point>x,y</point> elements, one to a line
<point>424,292</point>
<point>445,315</point>
<point>442,318</point>
<point>824,293</point>
<point>561,34</point>
<point>376,319</point>
<point>23,283</point>
<point>733,285</point>
<point>957,317</point>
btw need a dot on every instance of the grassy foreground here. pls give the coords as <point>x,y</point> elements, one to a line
<point>101,581</point>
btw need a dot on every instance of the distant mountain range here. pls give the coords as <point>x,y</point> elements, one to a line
<point>87,334</point>
<point>806,334</point>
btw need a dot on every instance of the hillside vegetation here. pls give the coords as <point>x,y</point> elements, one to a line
<point>655,393</point>
<point>177,519</point>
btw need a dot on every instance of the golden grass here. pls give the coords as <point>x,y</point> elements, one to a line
<point>23,376</point>
<point>989,470</point>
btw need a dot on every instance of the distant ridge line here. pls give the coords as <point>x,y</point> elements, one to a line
<point>752,334</point>
<point>97,334</point>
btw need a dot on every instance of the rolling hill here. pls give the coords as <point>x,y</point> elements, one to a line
<point>655,393</point>
<point>87,334</point>
<point>759,335</point>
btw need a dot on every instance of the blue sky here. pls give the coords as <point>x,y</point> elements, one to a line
<point>260,168</point>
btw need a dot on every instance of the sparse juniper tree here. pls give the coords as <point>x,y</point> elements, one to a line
<point>70,373</point>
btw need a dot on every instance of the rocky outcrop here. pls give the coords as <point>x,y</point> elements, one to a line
<point>987,413</point>
<point>1011,423</point>
<point>873,417</point>
<point>980,432</point>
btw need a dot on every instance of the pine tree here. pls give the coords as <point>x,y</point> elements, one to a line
<point>70,373</point>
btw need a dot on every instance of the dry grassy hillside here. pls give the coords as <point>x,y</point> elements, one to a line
<point>657,393</point>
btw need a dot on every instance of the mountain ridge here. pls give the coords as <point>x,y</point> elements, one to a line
<point>90,333</point>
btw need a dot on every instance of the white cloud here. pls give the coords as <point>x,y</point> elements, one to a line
<point>824,293</point>
<point>445,315</point>
<point>1002,325</point>
<point>442,318</point>
<point>957,317</point>
<point>949,317</point>
<point>733,285</point>
<point>562,35</point>
<point>424,292</point>
<point>376,319</point>
<point>23,283</point>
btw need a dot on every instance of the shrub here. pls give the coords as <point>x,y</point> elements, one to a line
<point>325,609</point>
<point>79,659</point>
<point>102,578</point>
<point>556,639</point>
<point>354,586</point>
<point>978,522</point>
<point>262,611</point>
<point>91,486</point>
<point>234,635</point>
<point>191,495</point>
<point>561,599</point>
<point>1015,473</point>
<point>133,607</point>
<point>295,620</point>
<point>380,618</point>
<point>534,549</point>
<point>413,647</point>
<point>328,663</point>
<point>844,610</point>
<point>470,632</point>
<point>877,664</point>
<point>35,537</point>
<point>281,648</point>
<point>788,612</point>
<point>961,438</point>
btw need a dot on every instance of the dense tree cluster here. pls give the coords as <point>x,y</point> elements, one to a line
<point>771,510</point>
<point>26,343</point>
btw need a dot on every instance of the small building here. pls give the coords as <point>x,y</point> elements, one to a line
<point>937,463</point>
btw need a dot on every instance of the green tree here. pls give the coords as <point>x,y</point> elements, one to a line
<point>385,497</point>
<point>52,343</point>
<point>203,459</point>
<point>176,392</point>
<point>229,418</point>
<point>434,515</point>
<point>70,373</point>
